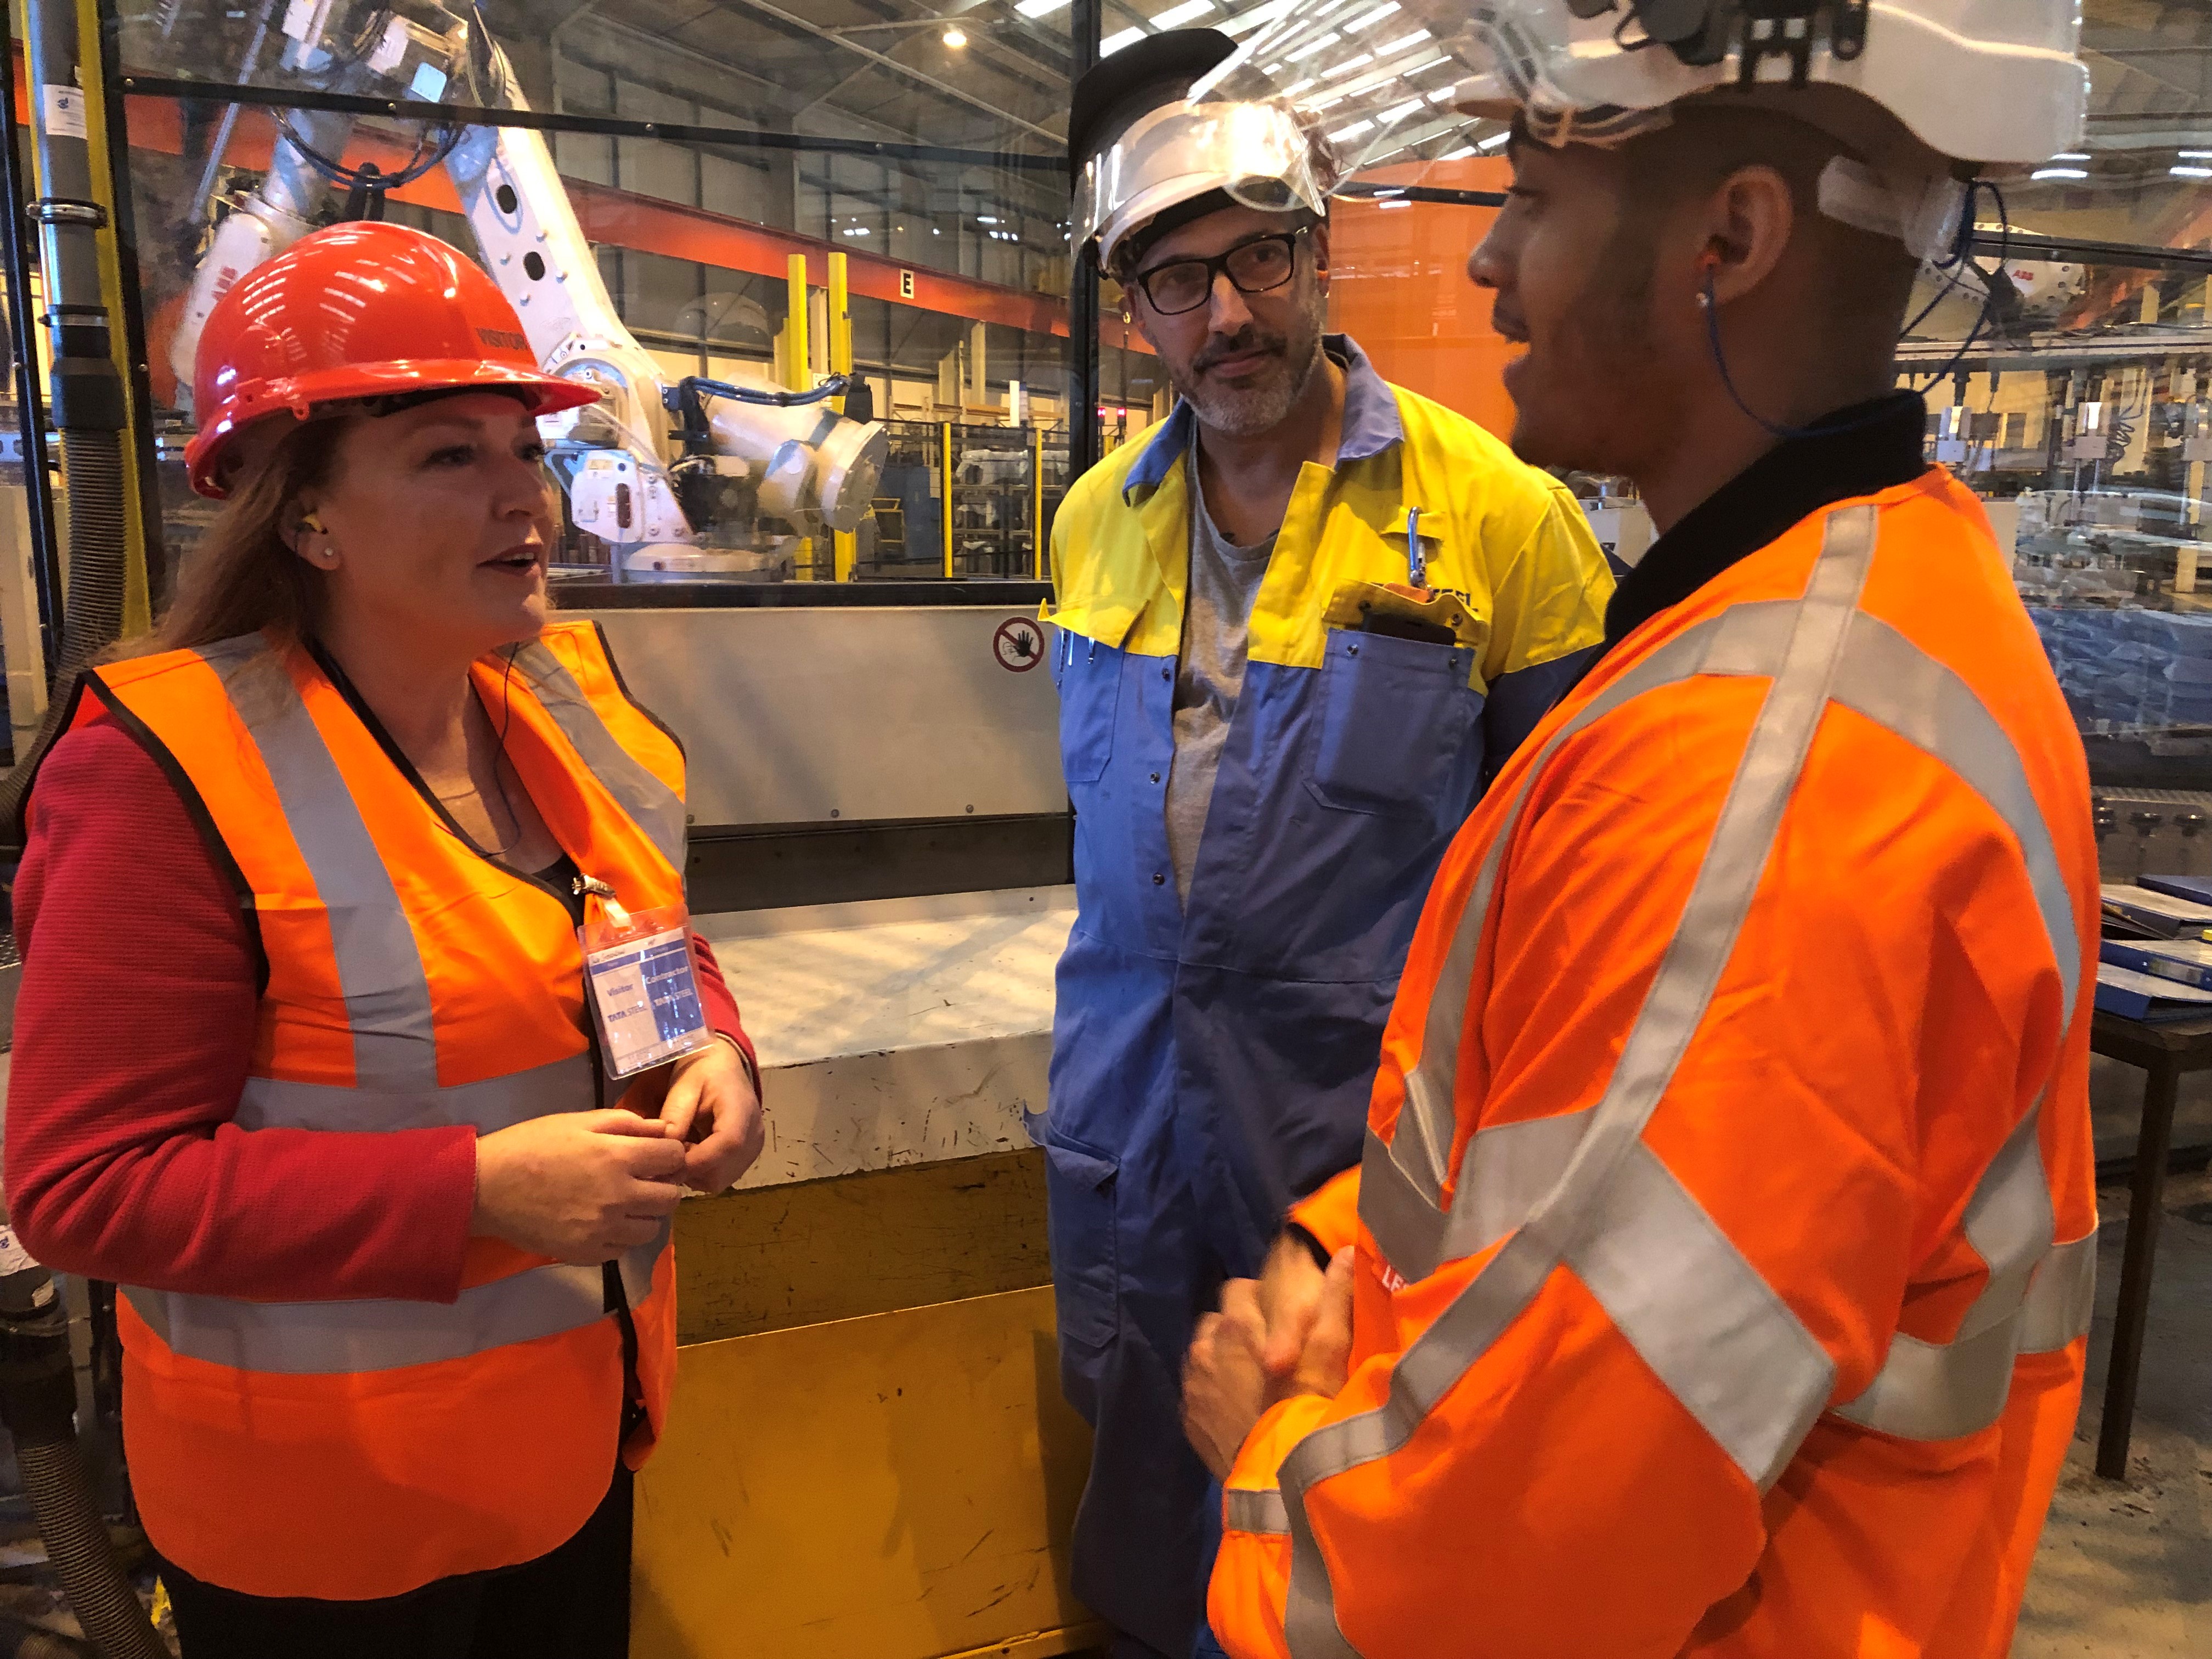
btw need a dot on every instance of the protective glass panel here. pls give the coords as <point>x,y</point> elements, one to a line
<point>721,172</point>
<point>2069,375</point>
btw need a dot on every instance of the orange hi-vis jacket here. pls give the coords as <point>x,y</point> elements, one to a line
<point>349,1450</point>
<point>1726,1225</point>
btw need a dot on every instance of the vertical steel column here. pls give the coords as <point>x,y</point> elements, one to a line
<point>944,473</point>
<point>844,543</point>
<point>145,456</point>
<point>1084,24</point>
<point>1038,551</point>
<point>797,353</point>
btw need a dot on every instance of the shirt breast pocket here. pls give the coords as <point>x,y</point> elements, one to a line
<point>1397,723</point>
<point>1089,676</point>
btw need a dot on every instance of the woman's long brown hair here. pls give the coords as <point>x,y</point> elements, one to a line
<point>242,578</point>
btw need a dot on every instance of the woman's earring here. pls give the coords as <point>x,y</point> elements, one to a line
<point>328,557</point>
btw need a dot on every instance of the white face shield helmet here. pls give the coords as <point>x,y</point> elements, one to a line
<point>1259,155</point>
<point>1981,87</point>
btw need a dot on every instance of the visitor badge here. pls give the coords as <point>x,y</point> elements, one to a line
<point>644,986</point>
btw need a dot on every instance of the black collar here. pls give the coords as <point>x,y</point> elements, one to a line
<point>1885,445</point>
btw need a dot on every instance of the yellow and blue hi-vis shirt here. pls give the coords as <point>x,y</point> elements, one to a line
<point>1211,1060</point>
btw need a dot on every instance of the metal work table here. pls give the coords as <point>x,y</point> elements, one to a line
<point>2164,1052</point>
<point>895,1032</point>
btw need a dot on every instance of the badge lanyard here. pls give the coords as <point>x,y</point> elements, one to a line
<point>644,986</point>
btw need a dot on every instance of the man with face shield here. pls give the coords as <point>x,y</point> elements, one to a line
<point>1300,625</point>
<point>1716,1275</point>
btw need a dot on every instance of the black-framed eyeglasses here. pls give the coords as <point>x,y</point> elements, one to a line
<point>1259,266</point>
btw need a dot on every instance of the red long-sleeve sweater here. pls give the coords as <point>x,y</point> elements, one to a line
<point>134,1024</point>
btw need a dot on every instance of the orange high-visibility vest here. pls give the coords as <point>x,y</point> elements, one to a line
<point>354,1449</point>
<point>1726,1227</point>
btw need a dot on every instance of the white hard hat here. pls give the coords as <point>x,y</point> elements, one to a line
<point>1975,85</point>
<point>1988,81</point>
<point>1144,153</point>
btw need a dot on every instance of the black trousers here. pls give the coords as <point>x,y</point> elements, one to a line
<point>572,1603</point>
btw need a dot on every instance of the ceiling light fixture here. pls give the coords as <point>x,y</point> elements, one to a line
<point>1039,7</point>
<point>1245,22</point>
<point>1175,17</point>
<point>956,37</point>
<point>1114,43</point>
<point>2059,172</point>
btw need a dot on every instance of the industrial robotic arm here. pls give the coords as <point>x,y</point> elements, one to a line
<point>674,477</point>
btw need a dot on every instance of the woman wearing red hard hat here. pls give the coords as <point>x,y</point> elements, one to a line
<point>380,1115</point>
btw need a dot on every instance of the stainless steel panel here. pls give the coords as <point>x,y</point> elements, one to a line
<point>804,716</point>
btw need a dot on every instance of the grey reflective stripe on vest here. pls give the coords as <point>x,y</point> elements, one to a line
<point>498,1102</point>
<point>1670,1281</point>
<point>1247,1509</point>
<point>316,1339</point>
<point>388,995</point>
<point>657,809</point>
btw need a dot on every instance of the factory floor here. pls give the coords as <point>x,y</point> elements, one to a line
<point>2125,1570</point>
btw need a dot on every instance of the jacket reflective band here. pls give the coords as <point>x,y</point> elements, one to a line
<point>388,995</point>
<point>497,1103</point>
<point>317,1339</point>
<point>1247,1509</point>
<point>657,809</point>
<point>1584,1191</point>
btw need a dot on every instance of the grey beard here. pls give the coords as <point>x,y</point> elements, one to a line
<point>1258,410</point>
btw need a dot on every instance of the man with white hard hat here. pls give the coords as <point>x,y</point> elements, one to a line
<point>1300,625</point>
<point>1716,1275</point>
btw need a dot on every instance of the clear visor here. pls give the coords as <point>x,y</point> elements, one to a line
<point>1376,78</point>
<point>1262,154</point>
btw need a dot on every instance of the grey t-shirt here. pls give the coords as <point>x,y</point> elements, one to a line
<point>1217,634</point>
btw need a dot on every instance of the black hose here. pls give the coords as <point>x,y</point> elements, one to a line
<point>832,387</point>
<point>21,1639</point>
<point>38,1405</point>
<point>77,1544</point>
<point>92,617</point>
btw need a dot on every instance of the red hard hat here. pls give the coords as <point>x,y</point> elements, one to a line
<point>361,310</point>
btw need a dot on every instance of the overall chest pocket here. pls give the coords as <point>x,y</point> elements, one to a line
<point>1089,676</point>
<point>1395,726</point>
